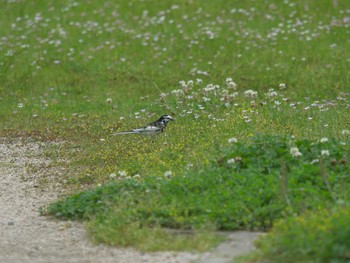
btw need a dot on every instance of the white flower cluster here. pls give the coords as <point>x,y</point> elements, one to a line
<point>294,151</point>
<point>251,94</point>
<point>271,93</point>
<point>230,84</point>
<point>232,140</point>
<point>325,153</point>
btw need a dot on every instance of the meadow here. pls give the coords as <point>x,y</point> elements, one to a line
<point>260,92</point>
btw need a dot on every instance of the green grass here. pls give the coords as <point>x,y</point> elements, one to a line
<point>317,237</point>
<point>247,187</point>
<point>79,71</point>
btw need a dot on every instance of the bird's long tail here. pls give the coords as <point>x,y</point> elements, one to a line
<point>124,132</point>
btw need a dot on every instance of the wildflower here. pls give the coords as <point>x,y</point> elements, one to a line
<point>177,92</point>
<point>112,176</point>
<point>122,173</point>
<point>232,140</point>
<point>314,161</point>
<point>282,86</point>
<point>272,93</point>
<point>253,104</point>
<point>205,99</point>
<point>109,101</point>
<point>325,153</point>
<point>199,81</point>
<point>209,87</point>
<point>323,140</point>
<point>20,105</point>
<point>294,151</point>
<point>230,83</point>
<point>250,94</point>
<point>167,174</point>
<point>137,176</point>
<point>230,161</point>
<point>182,83</point>
<point>345,132</point>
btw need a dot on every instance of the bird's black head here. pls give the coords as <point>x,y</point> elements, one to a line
<point>166,118</point>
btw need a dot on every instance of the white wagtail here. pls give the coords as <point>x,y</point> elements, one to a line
<point>155,127</point>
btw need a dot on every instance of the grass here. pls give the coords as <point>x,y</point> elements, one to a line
<point>242,189</point>
<point>79,71</point>
<point>323,237</point>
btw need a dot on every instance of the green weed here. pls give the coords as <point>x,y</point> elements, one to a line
<point>322,236</point>
<point>242,189</point>
<point>79,71</point>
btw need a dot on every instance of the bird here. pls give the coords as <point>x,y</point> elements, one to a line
<point>152,128</point>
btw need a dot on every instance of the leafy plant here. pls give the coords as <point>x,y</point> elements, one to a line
<point>249,186</point>
<point>321,236</point>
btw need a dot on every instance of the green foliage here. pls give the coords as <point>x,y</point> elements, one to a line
<point>322,236</point>
<point>77,71</point>
<point>250,186</point>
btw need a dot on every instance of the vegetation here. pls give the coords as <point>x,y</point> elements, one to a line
<point>259,90</point>
<point>316,237</point>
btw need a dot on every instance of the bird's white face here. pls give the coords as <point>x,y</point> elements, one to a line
<point>167,118</point>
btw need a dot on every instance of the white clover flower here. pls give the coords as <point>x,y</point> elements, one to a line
<point>323,140</point>
<point>282,86</point>
<point>314,161</point>
<point>232,95</point>
<point>168,174</point>
<point>20,105</point>
<point>294,151</point>
<point>250,94</point>
<point>209,87</point>
<point>205,99</point>
<point>325,153</point>
<point>137,176</point>
<point>199,81</point>
<point>109,101</point>
<point>232,140</point>
<point>177,92</point>
<point>253,103</point>
<point>122,173</point>
<point>272,93</point>
<point>230,161</point>
<point>182,83</point>
<point>345,132</point>
<point>112,176</point>
<point>230,83</point>
<point>190,83</point>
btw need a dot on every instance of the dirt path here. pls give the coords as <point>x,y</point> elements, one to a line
<point>25,236</point>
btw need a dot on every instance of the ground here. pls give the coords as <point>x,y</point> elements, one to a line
<point>25,236</point>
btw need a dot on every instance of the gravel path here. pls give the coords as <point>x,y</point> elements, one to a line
<point>25,236</point>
